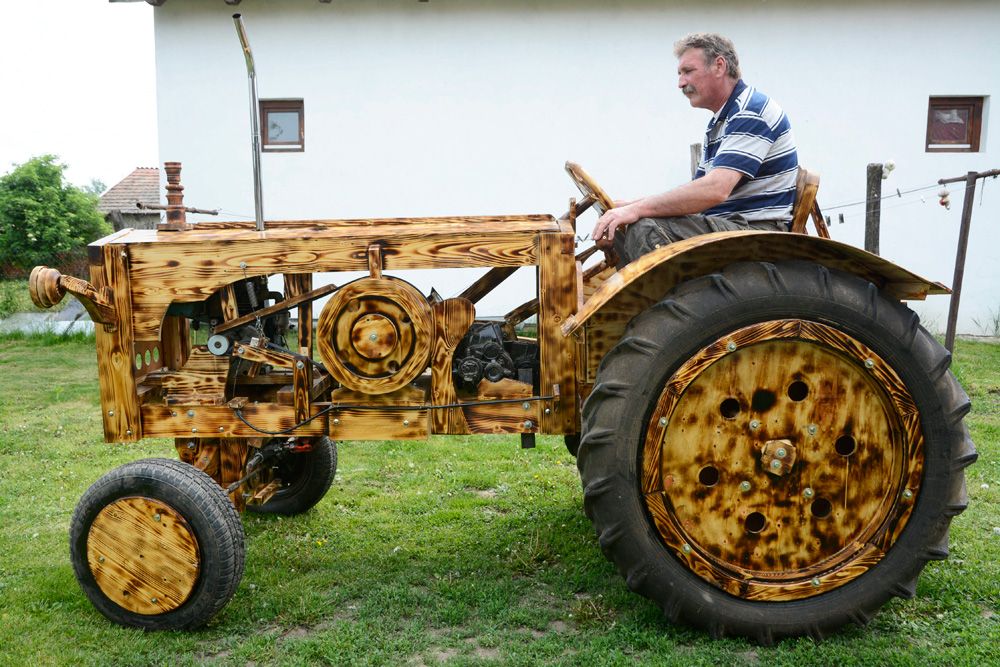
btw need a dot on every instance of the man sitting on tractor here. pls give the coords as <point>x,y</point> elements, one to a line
<point>746,176</point>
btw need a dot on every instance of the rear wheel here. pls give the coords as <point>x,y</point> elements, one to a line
<point>305,479</point>
<point>774,450</point>
<point>156,544</point>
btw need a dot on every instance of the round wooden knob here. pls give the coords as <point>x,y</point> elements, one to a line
<point>43,285</point>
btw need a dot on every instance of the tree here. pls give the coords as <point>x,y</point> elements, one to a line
<point>43,219</point>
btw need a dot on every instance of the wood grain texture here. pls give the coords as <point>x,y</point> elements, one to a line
<point>655,274</point>
<point>143,555</point>
<point>452,318</point>
<point>556,303</point>
<point>115,359</point>
<point>854,444</point>
<point>175,339</point>
<point>386,301</point>
<point>202,379</point>
<point>296,285</point>
<point>806,187</point>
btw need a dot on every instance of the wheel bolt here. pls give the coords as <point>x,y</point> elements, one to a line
<point>663,421</point>
<point>754,424</point>
<point>156,517</point>
<point>731,346</point>
<point>812,428</point>
<point>815,581</point>
<point>808,492</point>
<point>869,363</point>
<point>686,548</point>
<point>907,494</point>
<point>744,486</point>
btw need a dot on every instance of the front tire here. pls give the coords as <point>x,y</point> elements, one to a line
<point>689,493</point>
<point>305,479</point>
<point>156,544</point>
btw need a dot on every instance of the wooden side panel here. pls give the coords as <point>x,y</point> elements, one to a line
<point>295,285</point>
<point>198,421</point>
<point>452,318</point>
<point>499,418</point>
<point>119,398</point>
<point>175,339</point>
<point>202,380</point>
<point>557,302</point>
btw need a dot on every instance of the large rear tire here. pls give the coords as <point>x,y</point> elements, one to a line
<point>774,450</point>
<point>156,544</point>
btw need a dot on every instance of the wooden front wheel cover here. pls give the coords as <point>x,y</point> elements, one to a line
<point>143,555</point>
<point>782,461</point>
<point>374,334</point>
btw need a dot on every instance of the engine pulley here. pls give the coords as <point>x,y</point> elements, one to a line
<point>374,334</point>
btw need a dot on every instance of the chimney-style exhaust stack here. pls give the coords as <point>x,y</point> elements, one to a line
<point>258,200</point>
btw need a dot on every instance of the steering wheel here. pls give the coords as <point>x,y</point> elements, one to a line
<point>589,188</point>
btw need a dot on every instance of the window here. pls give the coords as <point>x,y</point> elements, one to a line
<point>283,126</point>
<point>954,124</point>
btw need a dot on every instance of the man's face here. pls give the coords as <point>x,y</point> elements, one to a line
<point>702,83</point>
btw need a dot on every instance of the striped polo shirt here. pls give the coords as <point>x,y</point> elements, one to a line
<point>752,135</point>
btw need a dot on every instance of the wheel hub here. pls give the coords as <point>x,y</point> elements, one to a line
<point>781,461</point>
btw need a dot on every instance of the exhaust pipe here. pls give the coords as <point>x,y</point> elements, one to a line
<point>258,200</point>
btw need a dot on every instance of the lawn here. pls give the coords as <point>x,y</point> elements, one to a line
<point>458,550</point>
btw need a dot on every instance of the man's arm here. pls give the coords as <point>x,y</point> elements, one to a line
<point>692,197</point>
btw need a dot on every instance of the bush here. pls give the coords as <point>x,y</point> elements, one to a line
<point>43,219</point>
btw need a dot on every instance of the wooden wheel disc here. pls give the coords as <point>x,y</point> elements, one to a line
<point>782,461</point>
<point>143,555</point>
<point>374,334</point>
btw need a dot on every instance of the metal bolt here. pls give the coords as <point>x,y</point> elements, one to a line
<point>299,365</point>
<point>221,429</point>
<point>246,495</point>
<point>173,413</point>
<point>812,428</point>
<point>111,413</point>
<point>243,265</point>
<point>744,486</point>
<point>191,444</point>
<point>815,581</point>
<point>128,431</point>
<point>869,363</point>
<point>548,411</point>
<point>907,494</point>
<point>406,422</point>
<point>156,517</point>
<point>526,405</point>
<point>373,337</point>
<point>190,413</point>
<point>731,346</point>
<point>663,421</point>
<point>336,422</point>
<point>807,492</point>
<point>686,548</point>
<point>240,350</point>
<point>194,430</point>
<point>527,423</point>
<point>754,424</point>
<point>776,464</point>
<point>100,559</point>
<point>781,452</point>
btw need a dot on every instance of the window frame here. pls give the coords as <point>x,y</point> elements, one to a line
<point>296,105</point>
<point>974,104</point>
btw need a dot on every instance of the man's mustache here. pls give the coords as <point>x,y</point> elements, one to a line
<point>688,89</point>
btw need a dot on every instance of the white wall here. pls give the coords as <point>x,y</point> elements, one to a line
<point>459,107</point>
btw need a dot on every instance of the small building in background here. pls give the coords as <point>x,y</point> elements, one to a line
<point>122,203</point>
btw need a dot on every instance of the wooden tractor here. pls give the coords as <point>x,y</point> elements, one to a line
<point>769,442</point>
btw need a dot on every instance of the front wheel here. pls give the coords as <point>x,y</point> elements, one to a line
<point>305,479</point>
<point>156,544</point>
<point>775,450</point>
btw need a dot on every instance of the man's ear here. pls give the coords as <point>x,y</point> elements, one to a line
<point>720,65</point>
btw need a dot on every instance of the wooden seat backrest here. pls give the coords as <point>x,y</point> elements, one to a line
<point>806,187</point>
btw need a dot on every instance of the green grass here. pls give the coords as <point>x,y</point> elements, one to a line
<point>459,550</point>
<point>14,298</point>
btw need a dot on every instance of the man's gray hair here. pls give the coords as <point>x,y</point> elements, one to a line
<point>712,45</point>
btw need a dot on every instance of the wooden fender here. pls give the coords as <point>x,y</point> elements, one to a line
<point>643,282</point>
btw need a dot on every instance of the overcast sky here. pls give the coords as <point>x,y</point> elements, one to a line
<point>78,80</point>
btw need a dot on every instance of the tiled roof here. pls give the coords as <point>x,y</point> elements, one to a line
<point>143,185</point>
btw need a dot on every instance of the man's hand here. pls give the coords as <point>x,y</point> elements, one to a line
<point>608,224</point>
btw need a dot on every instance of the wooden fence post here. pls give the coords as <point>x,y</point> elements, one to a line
<point>873,207</point>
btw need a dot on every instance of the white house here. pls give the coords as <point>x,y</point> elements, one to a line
<point>471,107</point>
